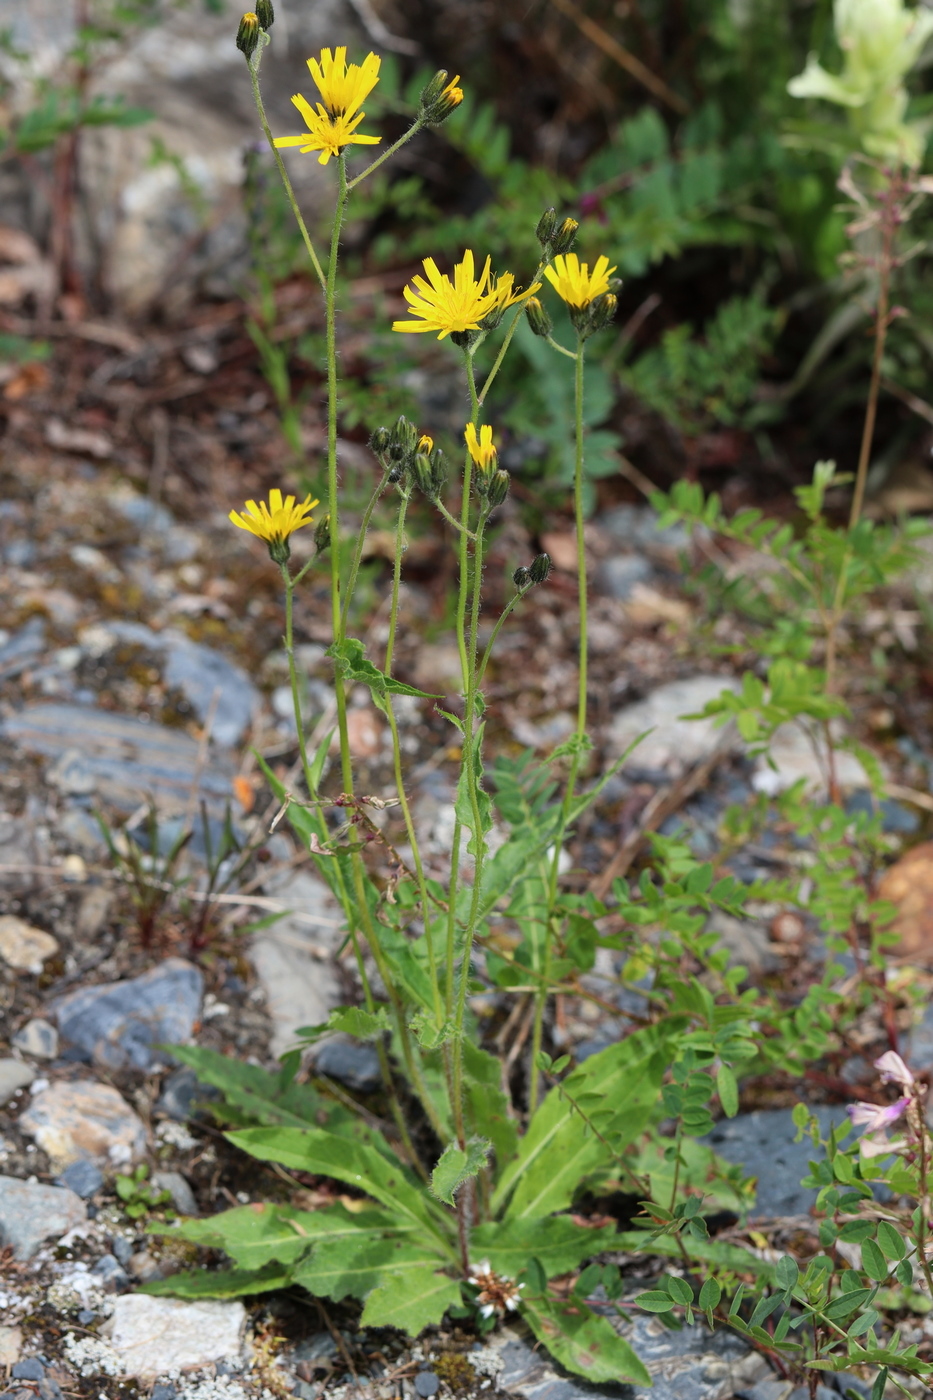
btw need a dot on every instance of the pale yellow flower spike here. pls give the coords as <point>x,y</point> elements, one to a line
<point>573,281</point>
<point>275,522</point>
<point>481,450</point>
<point>332,123</point>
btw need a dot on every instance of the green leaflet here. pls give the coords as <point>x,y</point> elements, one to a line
<point>462,804</point>
<point>456,1166</point>
<point>554,1157</point>
<point>485,1104</point>
<point>325,1154</point>
<point>256,1235</point>
<point>263,1097</point>
<point>340,1267</point>
<point>584,1342</point>
<point>411,1303</point>
<point>556,1241</point>
<point>355,1021</point>
<point>352,661</point>
<point>228,1283</point>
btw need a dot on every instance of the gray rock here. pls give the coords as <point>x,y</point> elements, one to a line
<point>22,649</point>
<point>636,528</point>
<point>82,1177</point>
<point>11,1344</point>
<point>181,1091</point>
<point>674,743</point>
<point>426,1384</point>
<point>31,1213</point>
<point>689,1364</point>
<point>37,1038</point>
<point>111,1274</point>
<point>14,1075</point>
<point>763,1143</point>
<point>131,761</point>
<point>31,1369</point>
<point>319,1347</point>
<point>354,1065</point>
<point>81,1118</point>
<point>153,1336</point>
<point>123,1249</point>
<point>747,942</point>
<point>179,1190</point>
<point>618,575</point>
<point>293,957</point>
<point>162,1391</point>
<point>118,1024</point>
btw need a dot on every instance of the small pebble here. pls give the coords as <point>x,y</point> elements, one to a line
<point>111,1273</point>
<point>82,1177</point>
<point>28,1370</point>
<point>162,1391</point>
<point>122,1248</point>
<point>426,1384</point>
<point>86,1317</point>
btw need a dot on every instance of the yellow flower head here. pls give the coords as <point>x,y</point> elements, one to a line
<point>452,95</point>
<point>573,281</point>
<point>481,450</point>
<point>276,521</point>
<point>332,123</point>
<point>426,444</point>
<point>460,305</point>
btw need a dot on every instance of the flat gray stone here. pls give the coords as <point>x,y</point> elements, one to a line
<point>118,1024</point>
<point>293,958</point>
<point>636,528</point>
<point>156,1335</point>
<point>618,575</point>
<point>129,760</point>
<point>31,1213</point>
<point>82,1118</point>
<point>83,1177</point>
<point>14,1075</point>
<point>37,1038</point>
<point>763,1143</point>
<point>674,743</point>
<point>179,1190</point>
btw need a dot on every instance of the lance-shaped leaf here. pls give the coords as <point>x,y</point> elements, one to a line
<point>338,1267</point>
<point>226,1283</point>
<point>555,1157</point>
<point>456,1166</point>
<point>353,662</point>
<point>584,1342</point>
<point>256,1235</point>
<point>411,1303</point>
<point>324,1154</point>
<point>556,1241</point>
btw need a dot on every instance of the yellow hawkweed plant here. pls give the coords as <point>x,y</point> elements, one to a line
<point>332,123</point>
<point>456,307</point>
<point>573,281</point>
<point>276,521</point>
<point>481,449</point>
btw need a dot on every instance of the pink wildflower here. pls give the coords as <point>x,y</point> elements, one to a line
<point>893,1070</point>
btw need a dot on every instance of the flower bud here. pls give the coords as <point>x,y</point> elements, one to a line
<point>322,534</point>
<point>265,14</point>
<point>421,466</point>
<point>279,550</point>
<point>426,443</point>
<point>404,437</point>
<point>538,319</point>
<point>546,226</point>
<point>599,314</point>
<point>438,471</point>
<point>492,319</point>
<point>463,339</point>
<point>379,440</point>
<point>498,488</point>
<point>564,237</point>
<point>439,99</point>
<point>521,577</point>
<point>247,37</point>
<point>540,568</point>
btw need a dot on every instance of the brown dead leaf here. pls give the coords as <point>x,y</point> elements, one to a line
<point>908,884</point>
<point>82,440</point>
<point>562,547</point>
<point>244,792</point>
<point>17,246</point>
<point>31,378</point>
<point>645,606</point>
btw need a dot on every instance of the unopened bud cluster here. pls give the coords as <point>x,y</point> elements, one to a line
<point>538,319</point>
<point>322,534</point>
<point>555,235</point>
<point>439,99</point>
<point>410,459</point>
<point>536,572</point>
<point>253,26</point>
<point>493,486</point>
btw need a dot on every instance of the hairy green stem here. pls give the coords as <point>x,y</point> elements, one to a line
<point>253,66</point>
<point>380,160</point>
<point>509,607</point>
<point>358,551</point>
<point>399,777</point>
<point>582,673</point>
<point>506,341</point>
